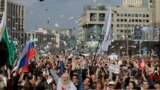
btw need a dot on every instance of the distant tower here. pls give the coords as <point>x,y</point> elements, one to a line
<point>135,3</point>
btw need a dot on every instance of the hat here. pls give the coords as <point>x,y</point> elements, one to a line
<point>111,83</point>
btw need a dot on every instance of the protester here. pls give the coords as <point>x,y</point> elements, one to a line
<point>77,72</point>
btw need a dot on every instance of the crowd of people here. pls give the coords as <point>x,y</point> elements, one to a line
<point>65,71</point>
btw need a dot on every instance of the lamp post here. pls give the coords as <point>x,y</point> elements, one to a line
<point>127,36</point>
<point>127,44</point>
<point>140,48</point>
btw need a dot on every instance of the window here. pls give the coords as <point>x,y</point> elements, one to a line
<point>93,16</point>
<point>112,25</point>
<point>101,17</point>
<point>132,15</point>
<point>143,15</point>
<point>150,1</point>
<point>147,20</point>
<point>129,15</point>
<point>117,20</point>
<point>136,15</point>
<point>143,20</point>
<point>140,15</point>
<point>121,20</point>
<point>125,15</point>
<point>132,20</point>
<point>136,20</point>
<point>147,15</point>
<point>121,31</point>
<point>121,14</point>
<point>117,14</point>
<point>140,20</point>
<point>117,25</point>
<point>129,36</point>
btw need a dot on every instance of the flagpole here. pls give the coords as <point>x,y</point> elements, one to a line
<point>97,47</point>
<point>105,32</point>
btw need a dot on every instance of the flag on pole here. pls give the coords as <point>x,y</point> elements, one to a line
<point>27,53</point>
<point>108,20</point>
<point>3,46</point>
<point>7,49</point>
<point>10,48</point>
<point>106,31</point>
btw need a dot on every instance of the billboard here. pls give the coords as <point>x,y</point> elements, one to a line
<point>138,33</point>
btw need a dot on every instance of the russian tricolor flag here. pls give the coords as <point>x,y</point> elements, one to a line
<point>28,52</point>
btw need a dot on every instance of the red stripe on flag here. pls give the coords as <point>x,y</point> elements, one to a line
<point>31,53</point>
<point>23,70</point>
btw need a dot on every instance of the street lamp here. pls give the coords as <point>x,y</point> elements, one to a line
<point>127,36</point>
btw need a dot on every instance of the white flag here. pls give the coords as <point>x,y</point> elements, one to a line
<point>106,31</point>
<point>108,21</point>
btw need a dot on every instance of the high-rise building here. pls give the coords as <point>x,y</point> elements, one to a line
<point>135,3</point>
<point>123,22</point>
<point>155,5</point>
<point>15,21</point>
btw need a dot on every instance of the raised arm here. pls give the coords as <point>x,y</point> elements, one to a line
<point>54,75</point>
<point>53,72</point>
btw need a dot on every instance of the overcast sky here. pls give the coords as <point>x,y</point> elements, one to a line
<point>53,14</point>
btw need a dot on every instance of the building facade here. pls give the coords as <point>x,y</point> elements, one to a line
<point>44,37</point>
<point>126,19</point>
<point>3,4</point>
<point>91,23</point>
<point>123,22</point>
<point>64,37</point>
<point>155,5</point>
<point>15,21</point>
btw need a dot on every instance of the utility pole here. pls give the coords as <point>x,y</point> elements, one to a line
<point>127,37</point>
